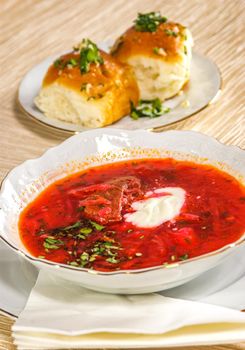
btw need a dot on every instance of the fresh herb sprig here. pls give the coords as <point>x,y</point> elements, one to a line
<point>149,22</point>
<point>148,108</point>
<point>89,53</point>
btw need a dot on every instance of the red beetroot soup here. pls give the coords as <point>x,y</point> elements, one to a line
<point>83,219</point>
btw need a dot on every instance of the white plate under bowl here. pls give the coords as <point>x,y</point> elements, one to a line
<point>222,285</point>
<point>101,146</point>
<point>203,87</point>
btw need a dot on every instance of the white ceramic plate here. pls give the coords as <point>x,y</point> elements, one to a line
<point>203,88</point>
<point>103,146</point>
<point>18,276</point>
<point>225,287</point>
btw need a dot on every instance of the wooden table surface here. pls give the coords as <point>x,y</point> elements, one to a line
<point>31,30</point>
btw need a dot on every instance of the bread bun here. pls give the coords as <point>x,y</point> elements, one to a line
<point>94,97</point>
<point>160,59</point>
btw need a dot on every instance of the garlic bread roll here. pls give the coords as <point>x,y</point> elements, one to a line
<point>159,53</point>
<point>87,87</point>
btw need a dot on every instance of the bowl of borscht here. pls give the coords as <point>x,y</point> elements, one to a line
<point>123,211</point>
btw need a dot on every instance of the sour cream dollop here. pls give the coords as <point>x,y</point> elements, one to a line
<point>154,211</point>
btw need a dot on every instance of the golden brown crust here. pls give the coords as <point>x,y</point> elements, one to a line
<point>169,37</point>
<point>113,80</point>
<point>100,78</point>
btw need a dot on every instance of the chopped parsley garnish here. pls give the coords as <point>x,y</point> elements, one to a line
<point>104,249</point>
<point>71,227</point>
<point>89,53</point>
<point>84,256</point>
<point>80,236</point>
<point>84,259</point>
<point>112,260</point>
<point>73,62</point>
<point>170,32</point>
<point>59,63</point>
<point>80,232</point>
<point>156,50</point>
<point>83,232</point>
<point>52,243</point>
<point>184,257</point>
<point>98,227</point>
<point>149,22</point>
<point>93,257</point>
<point>86,230</point>
<point>148,108</point>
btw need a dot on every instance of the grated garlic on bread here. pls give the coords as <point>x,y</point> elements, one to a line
<point>87,87</point>
<point>159,53</point>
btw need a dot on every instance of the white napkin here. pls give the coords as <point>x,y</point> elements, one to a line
<point>58,313</point>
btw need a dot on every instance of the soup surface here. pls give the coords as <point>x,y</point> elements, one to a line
<point>134,214</point>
